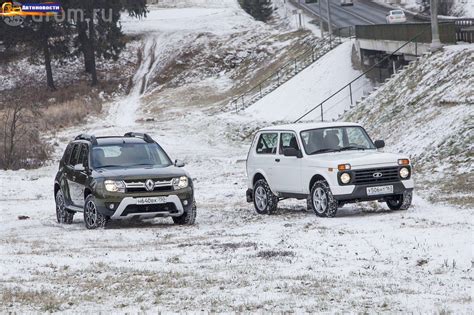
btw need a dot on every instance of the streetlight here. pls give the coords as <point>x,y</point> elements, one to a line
<point>329,21</point>
<point>435,42</point>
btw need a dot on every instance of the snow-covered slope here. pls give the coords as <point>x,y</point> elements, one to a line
<point>312,86</point>
<point>427,111</point>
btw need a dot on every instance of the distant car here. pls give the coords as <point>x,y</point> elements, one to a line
<point>396,16</point>
<point>113,178</point>
<point>347,2</point>
<point>328,164</point>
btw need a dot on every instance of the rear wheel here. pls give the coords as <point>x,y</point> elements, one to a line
<point>401,202</point>
<point>188,218</point>
<point>63,215</point>
<point>92,217</point>
<point>321,200</point>
<point>264,199</point>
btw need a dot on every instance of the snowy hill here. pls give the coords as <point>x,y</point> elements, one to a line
<point>427,111</point>
<point>312,86</point>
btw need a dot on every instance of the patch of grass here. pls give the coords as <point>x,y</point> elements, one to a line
<point>268,254</point>
<point>44,300</point>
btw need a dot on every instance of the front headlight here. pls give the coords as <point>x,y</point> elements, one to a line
<point>404,172</point>
<point>345,178</point>
<point>180,183</point>
<point>114,186</point>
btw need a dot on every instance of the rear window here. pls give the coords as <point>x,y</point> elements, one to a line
<point>397,12</point>
<point>267,143</point>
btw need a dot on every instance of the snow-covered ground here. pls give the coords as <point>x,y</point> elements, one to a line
<point>367,259</point>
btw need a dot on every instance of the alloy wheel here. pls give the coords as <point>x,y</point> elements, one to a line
<point>261,198</point>
<point>320,200</point>
<point>91,214</point>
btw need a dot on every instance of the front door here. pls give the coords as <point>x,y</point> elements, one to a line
<point>266,156</point>
<point>288,170</point>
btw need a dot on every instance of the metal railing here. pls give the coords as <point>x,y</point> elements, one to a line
<point>350,84</point>
<point>464,30</point>
<point>286,72</point>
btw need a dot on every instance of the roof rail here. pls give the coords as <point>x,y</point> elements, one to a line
<point>87,137</point>
<point>144,136</point>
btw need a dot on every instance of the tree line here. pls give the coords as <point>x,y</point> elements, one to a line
<point>87,28</point>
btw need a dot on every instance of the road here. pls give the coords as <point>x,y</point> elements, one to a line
<point>363,12</point>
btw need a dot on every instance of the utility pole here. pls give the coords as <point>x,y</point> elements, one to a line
<point>321,26</point>
<point>329,21</point>
<point>435,42</point>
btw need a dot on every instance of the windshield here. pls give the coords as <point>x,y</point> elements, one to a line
<point>129,155</point>
<point>335,139</point>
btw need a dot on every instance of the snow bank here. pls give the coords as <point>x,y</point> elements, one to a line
<point>312,86</point>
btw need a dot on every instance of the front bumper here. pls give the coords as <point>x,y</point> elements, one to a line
<point>125,206</point>
<point>359,192</point>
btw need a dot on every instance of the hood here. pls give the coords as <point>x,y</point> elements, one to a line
<point>357,159</point>
<point>140,172</point>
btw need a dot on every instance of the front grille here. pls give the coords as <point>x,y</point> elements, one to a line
<point>140,185</point>
<point>165,207</point>
<point>364,177</point>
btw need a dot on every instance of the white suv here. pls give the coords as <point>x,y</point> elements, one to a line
<point>329,164</point>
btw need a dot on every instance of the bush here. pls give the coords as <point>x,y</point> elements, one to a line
<point>261,10</point>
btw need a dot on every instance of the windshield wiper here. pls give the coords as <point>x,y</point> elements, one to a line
<point>352,148</point>
<point>324,150</point>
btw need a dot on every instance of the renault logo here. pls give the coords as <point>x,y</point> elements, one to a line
<point>377,175</point>
<point>150,185</point>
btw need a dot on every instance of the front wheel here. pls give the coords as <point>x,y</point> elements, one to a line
<point>188,218</point>
<point>63,215</point>
<point>92,217</point>
<point>321,200</point>
<point>400,202</point>
<point>264,199</point>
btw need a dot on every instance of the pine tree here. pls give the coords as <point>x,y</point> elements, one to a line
<point>261,10</point>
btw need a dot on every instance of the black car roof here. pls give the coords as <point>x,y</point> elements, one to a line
<point>118,140</point>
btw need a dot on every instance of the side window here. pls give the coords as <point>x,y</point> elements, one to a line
<point>84,155</point>
<point>67,154</point>
<point>288,140</point>
<point>75,154</point>
<point>267,143</point>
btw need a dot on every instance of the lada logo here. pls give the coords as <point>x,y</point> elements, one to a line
<point>377,175</point>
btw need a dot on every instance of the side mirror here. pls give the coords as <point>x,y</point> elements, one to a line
<point>379,144</point>
<point>79,168</point>
<point>293,152</point>
<point>179,163</point>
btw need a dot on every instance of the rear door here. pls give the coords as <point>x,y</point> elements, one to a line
<point>80,177</point>
<point>74,190</point>
<point>288,169</point>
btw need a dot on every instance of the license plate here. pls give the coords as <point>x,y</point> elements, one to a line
<point>150,200</point>
<point>379,190</point>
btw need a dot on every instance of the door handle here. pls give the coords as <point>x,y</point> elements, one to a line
<point>277,160</point>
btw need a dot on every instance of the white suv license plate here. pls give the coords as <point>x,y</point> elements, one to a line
<point>379,190</point>
<point>150,200</point>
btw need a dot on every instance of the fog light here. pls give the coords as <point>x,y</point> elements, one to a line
<point>185,202</point>
<point>111,206</point>
<point>345,178</point>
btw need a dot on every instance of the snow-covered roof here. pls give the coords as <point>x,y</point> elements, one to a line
<point>307,126</point>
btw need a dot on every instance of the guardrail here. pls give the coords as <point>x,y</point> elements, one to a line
<point>464,30</point>
<point>403,32</point>
<point>350,84</point>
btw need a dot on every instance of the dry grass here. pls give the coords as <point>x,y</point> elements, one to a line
<point>42,300</point>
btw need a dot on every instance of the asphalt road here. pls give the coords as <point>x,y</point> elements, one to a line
<point>363,12</point>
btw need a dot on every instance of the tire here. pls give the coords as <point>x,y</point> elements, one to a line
<point>63,215</point>
<point>321,200</point>
<point>401,202</point>
<point>264,201</point>
<point>93,219</point>
<point>188,218</point>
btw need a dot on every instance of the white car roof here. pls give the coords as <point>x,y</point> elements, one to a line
<point>307,126</point>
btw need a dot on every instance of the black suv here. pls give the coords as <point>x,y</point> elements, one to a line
<point>119,178</point>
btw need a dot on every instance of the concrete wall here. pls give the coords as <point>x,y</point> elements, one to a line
<point>388,46</point>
